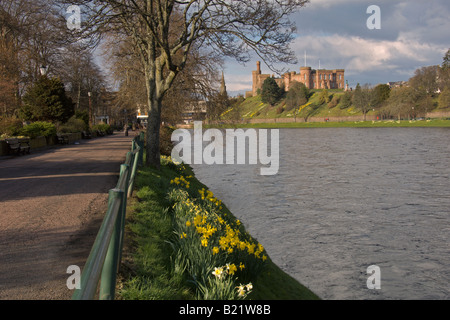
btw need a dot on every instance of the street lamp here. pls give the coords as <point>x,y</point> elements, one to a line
<point>90,109</point>
<point>43,69</point>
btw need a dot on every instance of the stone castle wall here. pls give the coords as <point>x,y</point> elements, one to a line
<point>312,79</point>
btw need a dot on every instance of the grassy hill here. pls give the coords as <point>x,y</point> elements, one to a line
<point>254,108</point>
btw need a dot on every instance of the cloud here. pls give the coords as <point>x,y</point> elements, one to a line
<point>359,55</point>
<point>414,33</point>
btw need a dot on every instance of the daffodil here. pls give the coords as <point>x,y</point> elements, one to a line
<point>231,268</point>
<point>241,290</point>
<point>218,272</point>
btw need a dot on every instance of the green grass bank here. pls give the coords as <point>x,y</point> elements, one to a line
<point>342,124</point>
<point>182,243</point>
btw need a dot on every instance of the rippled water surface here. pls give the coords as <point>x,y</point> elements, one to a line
<point>348,198</point>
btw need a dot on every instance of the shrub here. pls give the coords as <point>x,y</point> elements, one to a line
<point>280,110</point>
<point>324,97</point>
<point>102,127</point>
<point>334,102</point>
<point>73,125</point>
<point>10,126</point>
<point>39,128</point>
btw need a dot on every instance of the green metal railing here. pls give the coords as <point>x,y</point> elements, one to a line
<point>104,259</point>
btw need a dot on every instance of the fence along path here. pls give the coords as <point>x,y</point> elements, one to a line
<point>103,261</point>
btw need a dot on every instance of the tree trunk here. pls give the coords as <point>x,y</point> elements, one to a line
<point>153,128</point>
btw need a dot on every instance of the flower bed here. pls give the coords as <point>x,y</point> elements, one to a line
<point>210,244</point>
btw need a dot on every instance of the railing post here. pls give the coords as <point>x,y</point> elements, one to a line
<point>133,173</point>
<point>124,169</point>
<point>111,264</point>
<point>142,145</point>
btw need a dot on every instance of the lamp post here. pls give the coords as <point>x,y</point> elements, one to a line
<point>90,109</point>
<point>43,70</point>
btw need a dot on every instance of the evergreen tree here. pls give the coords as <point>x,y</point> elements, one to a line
<point>297,95</point>
<point>46,100</point>
<point>270,92</point>
<point>381,94</point>
<point>346,100</point>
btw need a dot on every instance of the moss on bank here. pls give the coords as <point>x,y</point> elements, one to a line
<point>148,270</point>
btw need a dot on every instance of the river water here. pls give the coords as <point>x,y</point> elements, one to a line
<point>348,198</point>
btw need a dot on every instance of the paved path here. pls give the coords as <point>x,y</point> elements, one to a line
<point>51,206</point>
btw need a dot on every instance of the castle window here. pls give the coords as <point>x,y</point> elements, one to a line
<point>340,77</point>
<point>304,76</point>
<point>320,77</point>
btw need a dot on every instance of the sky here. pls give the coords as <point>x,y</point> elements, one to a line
<point>412,34</point>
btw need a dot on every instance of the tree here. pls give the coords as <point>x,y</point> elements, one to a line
<point>444,98</point>
<point>164,32</point>
<point>402,102</point>
<point>444,73</point>
<point>32,34</point>
<point>46,100</point>
<point>380,94</point>
<point>363,99</point>
<point>446,60</point>
<point>297,95</point>
<point>270,91</point>
<point>346,100</point>
<point>425,80</point>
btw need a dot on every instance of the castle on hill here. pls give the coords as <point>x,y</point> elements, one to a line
<point>311,78</point>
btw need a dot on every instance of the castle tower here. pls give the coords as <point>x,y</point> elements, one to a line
<point>256,78</point>
<point>305,76</point>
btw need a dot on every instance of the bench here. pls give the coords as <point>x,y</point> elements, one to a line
<point>18,146</point>
<point>86,135</point>
<point>100,133</point>
<point>62,139</point>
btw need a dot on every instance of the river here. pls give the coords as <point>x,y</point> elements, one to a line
<point>348,198</point>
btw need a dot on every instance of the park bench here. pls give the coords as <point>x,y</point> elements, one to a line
<point>18,146</point>
<point>100,133</point>
<point>86,135</point>
<point>62,138</point>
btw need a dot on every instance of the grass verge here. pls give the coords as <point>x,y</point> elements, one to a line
<point>343,124</point>
<point>182,243</point>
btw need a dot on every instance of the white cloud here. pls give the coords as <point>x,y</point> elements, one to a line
<point>414,33</point>
<point>357,54</point>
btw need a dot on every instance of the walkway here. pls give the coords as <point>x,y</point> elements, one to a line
<point>51,206</point>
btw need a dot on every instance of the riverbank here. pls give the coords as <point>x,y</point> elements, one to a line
<point>163,245</point>
<point>342,124</point>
